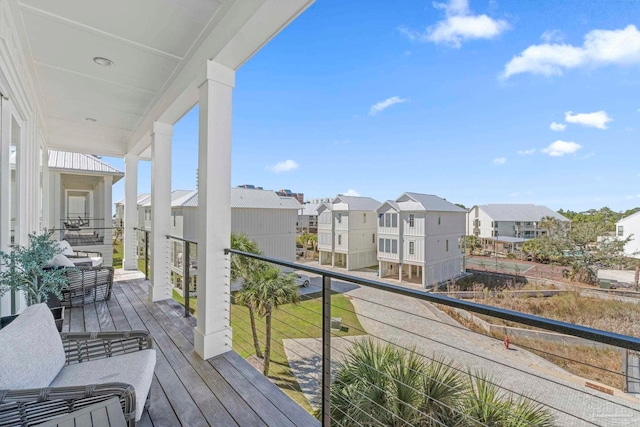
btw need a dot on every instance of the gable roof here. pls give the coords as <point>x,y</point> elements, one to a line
<point>632,216</point>
<point>310,208</point>
<point>358,203</point>
<point>245,198</point>
<point>76,162</point>
<point>141,198</point>
<point>175,195</point>
<point>519,212</point>
<point>430,202</point>
<point>390,203</point>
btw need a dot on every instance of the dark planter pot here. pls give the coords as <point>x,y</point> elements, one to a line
<point>58,316</point>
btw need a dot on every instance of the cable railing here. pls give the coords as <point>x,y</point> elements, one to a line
<point>142,250</point>
<point>333,352</point>
<point>87,231</point>
<point>182,273</point>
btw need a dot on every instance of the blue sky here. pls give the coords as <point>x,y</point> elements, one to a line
<point>477,102</point>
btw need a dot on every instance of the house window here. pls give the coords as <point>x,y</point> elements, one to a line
<point>380,245</point>
<point>387,245</point>
<point>412,220</point>
<point>339,239</point>
<point>495,224</point>
<point>438,219</point>
<point>620,230</point>
<point>381,220</point>
<point>339,218</point>
<point>387,220</point>
<point>364,218</point>
<point>394,246</point>
<point>446,245</point>
<point>394,220</point>
<point>412,248</point>
<point>373,238</point>
<point>492,224</point>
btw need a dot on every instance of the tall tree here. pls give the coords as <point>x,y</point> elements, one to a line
<point>265,289</point>
<point>241,268</point>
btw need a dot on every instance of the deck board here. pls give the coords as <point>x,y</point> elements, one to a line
<point>186,390</point>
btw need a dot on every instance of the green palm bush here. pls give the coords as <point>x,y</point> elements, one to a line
<point>383,384</point>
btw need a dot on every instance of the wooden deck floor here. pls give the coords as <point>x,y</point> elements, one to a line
<point>186,390</point>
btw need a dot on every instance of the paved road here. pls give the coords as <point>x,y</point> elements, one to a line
<point>384,315</point>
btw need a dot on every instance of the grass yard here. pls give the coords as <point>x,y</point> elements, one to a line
<point>291,321</point>
<point>193,302</point>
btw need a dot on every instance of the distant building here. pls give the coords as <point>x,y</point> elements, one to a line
<point>511,220</point>
<point>308,218</point>
<point>288,193</point>
<point>250,187</point>
<point>419,239</point>
<point>630,226</point>
<point>347,232</point>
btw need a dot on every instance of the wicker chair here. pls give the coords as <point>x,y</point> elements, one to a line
<point>87,285</point>
<point>77,384</point>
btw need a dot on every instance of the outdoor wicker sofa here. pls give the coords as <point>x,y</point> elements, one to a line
<point>44,374</point>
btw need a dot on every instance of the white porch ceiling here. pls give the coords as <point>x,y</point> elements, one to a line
<point>158,48</point>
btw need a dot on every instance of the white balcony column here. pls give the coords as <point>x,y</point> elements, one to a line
<point>46,193</point>
<point>213,333</point>
<point>56,196</point>
<point>106,205</point>
<point>5,192</point>
<point>159,286</point>
<point>130,261</point>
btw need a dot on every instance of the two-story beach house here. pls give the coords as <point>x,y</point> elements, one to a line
<point>418,239</point>
<point>630,226</point>
<point>347,232</point>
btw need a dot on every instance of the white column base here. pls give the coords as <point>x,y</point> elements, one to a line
<point>213,344</point>
<point>130,265</point>
<point>160,292</point>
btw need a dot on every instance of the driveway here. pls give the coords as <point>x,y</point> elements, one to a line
<point>411,323</point>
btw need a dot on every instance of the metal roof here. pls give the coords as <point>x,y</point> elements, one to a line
<point>519,212</point>
<point>248,199</point>
<point>506,239</point>
<point>79,162</point>
<point>175,195</point>
<point>310,208</point>
<point>430,202</point>
<point>358,203</point>
<point>141,198</point>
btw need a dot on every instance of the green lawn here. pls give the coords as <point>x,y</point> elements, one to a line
<point>193,302</point>
<point>291,321</point>
<point>118,254</point>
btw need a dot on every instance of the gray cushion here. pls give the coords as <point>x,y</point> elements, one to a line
<point>31,352</point>
<point>132,368</point>
<point>65,247</point>
<point>59,261</point>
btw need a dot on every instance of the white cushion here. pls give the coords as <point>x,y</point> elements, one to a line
<point>59,261</point>
<point>132,368</point>
<point>31,352</point>
<point>66,248</point>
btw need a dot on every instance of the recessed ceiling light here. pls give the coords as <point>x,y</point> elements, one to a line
<point>105,62</point>
<point>91,119</point>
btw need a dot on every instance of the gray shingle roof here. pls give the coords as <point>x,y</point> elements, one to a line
<point>519,212</point>
<point>431,202</point>
<point>358,203</point>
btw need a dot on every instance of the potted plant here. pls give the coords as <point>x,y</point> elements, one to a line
<point>25,269</point>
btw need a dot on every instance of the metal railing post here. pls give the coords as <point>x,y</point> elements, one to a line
<point>185,276</point>
<point>146,255</point>
<point>326,351</point>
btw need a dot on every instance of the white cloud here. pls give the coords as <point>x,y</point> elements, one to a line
<point>552,36</point>
<point>600,47</point>
<point>458,26</point>
<point>382,105</point>
<point>286,166</point>
<point>499,160</point>
<point>599,119</point>
<point>559,148</point>
<point>527,152</point>
<point>558,127</point>
<point>352,192</point>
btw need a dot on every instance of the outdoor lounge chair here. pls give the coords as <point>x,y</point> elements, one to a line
<point>87,285</point>
<point>44,375</point>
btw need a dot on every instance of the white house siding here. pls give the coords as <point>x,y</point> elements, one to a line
<point>443,254</point>
<point>362,240</point>
<point>630,226</point>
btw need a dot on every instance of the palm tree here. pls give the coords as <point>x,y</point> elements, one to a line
<point>264,290</point>
<point>241,268</point>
